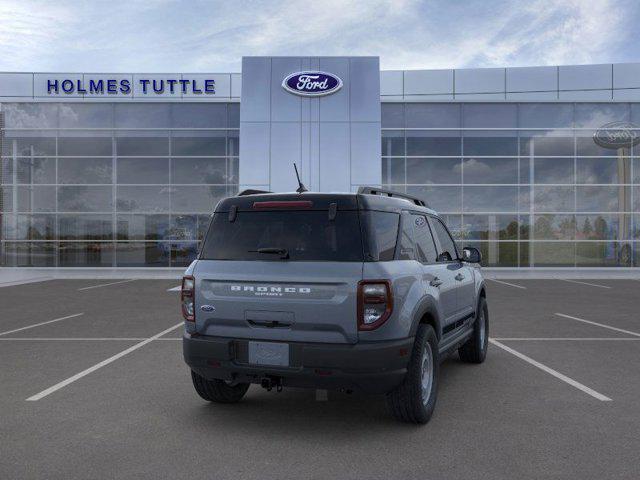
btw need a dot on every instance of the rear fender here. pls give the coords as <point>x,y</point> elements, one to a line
<point>427,307</point>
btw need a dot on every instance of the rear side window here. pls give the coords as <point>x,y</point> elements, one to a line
<point>380,234</point>
<point>407,245</point>
<point>424,241</point>
<point>304,235</point>
<point>447,251</point>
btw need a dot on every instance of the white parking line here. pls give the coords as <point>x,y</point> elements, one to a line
<point>584,283</point>
<point>175,289</point>
<point>629,332</point>
<point>507,283</point>
<point>570,339</point>
<point>106,284</point>
<point>109,360</point>
<point>551,371</point>
<point>41,323</point>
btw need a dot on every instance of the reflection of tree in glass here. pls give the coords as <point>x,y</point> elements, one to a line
<point>587,229</point>
<point>601,228</point>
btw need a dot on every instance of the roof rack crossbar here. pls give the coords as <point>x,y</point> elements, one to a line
<point>251,191</point>
<point>391,193</point>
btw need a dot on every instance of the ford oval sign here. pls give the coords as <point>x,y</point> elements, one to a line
<point>312,83</point>
<point>617,135</point>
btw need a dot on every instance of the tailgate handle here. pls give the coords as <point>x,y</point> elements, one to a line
<point>269,323</point>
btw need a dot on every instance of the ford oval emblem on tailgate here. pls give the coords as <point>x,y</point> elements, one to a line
<point>207,308</point>
<point>312,83</point>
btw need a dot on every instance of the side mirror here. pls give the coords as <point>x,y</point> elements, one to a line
<point>471,255</point>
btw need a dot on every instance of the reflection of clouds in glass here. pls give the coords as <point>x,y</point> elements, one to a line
<point>20,115</point>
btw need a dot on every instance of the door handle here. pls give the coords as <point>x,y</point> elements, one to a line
<point>459,277</point>
<point>436,282</point>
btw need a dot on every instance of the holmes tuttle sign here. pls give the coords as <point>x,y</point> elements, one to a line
<point>312,83</point>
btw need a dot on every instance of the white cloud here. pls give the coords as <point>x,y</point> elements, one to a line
<point>169,36</point>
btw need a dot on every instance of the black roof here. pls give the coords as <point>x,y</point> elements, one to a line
<point>321,201</point>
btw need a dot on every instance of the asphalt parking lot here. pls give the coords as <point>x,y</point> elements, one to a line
<point>93,385</point>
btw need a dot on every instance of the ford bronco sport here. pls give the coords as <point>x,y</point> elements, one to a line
<point>363,291</point>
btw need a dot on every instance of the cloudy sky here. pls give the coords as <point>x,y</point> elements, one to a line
<point>212,36</point>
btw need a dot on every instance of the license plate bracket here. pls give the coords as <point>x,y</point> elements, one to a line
<point>269,353</point>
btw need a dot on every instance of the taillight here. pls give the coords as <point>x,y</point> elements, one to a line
<point>187,298</point>
<point>375,303</point>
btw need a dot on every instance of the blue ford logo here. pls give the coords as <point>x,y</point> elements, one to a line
<point>207,308</point>
<point>312,84</point>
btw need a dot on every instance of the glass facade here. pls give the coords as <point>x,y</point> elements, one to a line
<point>524,182</point>
<point>113,184</point>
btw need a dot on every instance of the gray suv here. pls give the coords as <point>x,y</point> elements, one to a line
<point>363,291</point>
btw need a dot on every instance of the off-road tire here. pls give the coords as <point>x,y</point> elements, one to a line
<point>218,390</point>
<point>474,350</point>
<point>406,401</point>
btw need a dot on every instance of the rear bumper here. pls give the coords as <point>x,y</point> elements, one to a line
<point>375,367</point>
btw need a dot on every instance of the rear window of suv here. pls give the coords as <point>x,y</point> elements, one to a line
<point>305,235</point>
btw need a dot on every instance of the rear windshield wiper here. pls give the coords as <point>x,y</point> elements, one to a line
<point>284,254</point>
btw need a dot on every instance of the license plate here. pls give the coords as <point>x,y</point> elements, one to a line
<point>268,353</point>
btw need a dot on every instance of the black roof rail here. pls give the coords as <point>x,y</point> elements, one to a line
<point>251,191</point>
<point>391,193</point>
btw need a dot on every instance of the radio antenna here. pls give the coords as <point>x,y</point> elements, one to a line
<point>301,188</point>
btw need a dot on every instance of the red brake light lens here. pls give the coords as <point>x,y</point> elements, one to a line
<point>187,298</point>
<point>283,204</point>
<point>375,303</point>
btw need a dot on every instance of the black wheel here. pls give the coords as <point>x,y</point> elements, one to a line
<point>218,391</point>
<point>415,399</point>
<point>475,349</point>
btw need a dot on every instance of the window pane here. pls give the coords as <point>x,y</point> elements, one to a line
<point>602,199</point>
<point>603,170</point>
<point>490,227</point>
<point>497,254</point>
<point>139,254</point>
<point>196,199</point>
<point>585,145</point>
<point>636,170</point>
<point>546,144</point>
<point>183,227</point>
<point>435,143</point>
<point>407,248</point>
<point>29,146</point>
<point>233,143</point>
<point>392,143</point>
<point>183,253</point>
<point>36,199</point>
<point>142,115</point>
<point>432,115</point>
<point>490,170</point>
<point>553,254</point>
<point>40,254</point>
<point>392,115</point>
<point>441,199</point>
<point>211,145</point>
<point>142,227</point>
<point>93,146</point>
<point>603,254</point>
<point>545,115</point>
<point>554,199</point>
<point>142,146</point>
<point>200,170</point>
<point>490,199</point>
<point>233,114</point>
<point>379,234</point>
<point>393,170</point>
<point>553,170</point>
<point>93,115</point>
<point>85,227</point>
<point>199,115</point>
<point>143,199</point>
<point>554,227</point>
<point>434,170</point>
<point>85,199</point>
<point>80,254</point>
<point>598,114</point>
<point>36,227</point>
<point>30,115</point>
<point>6,199</point>
<point>425,245</point>
<point>488,115</point>
<point>489,145</point>
<point>142,170</point>
<point>36,170</point>
<point>447,245</point>
<point>604,227</point>
<point>85,170</point>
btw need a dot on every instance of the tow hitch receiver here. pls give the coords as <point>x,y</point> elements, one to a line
<point>269,382</point>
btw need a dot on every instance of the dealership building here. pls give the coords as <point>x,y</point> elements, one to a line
<point>535,166</point>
